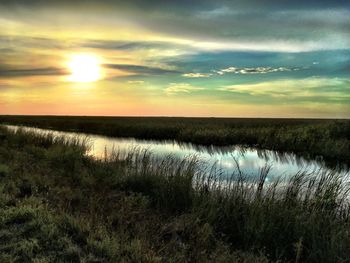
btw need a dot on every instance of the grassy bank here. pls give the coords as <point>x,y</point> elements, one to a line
<point>57,205</point>
<point>308,137</point>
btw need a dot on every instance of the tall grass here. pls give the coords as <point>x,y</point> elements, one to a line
<point>163,209</point>
<point>305,217</point>
<point>22,137</point>
<point>309,137</point>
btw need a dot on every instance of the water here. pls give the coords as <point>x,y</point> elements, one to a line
<point>250,160</point>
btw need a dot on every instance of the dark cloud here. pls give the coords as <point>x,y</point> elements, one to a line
<point>11,42</point>
<point>314,29</point>
<point>142,70</point>
<point>117,3</point>
<point>288,4</point>
<point>346,69</point>
<point>6,50</point>
<point>305,25</point>
<point>129,45</point>
<point>190,4</point>
<point>27,72</point>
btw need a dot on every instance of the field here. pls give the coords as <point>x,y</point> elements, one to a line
<point>58,205</point>
<point>307,137</point>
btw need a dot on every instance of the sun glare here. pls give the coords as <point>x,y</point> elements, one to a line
<point>84,68</point>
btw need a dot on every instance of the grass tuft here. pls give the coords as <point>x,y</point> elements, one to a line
<point>59,205</point>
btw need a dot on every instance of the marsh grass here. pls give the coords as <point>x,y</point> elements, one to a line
<point>327,138</point>
<point>58,204</point>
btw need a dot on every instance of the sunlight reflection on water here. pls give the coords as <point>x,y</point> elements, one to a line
<point>249,159</point>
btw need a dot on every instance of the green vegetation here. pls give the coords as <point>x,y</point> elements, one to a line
<point>308,137</point>
<point>58,205</point>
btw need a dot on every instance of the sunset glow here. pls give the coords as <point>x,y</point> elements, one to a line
<point>214,58</point>
<point>84,68</point>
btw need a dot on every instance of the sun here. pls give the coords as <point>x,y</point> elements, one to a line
<point>84,68</point>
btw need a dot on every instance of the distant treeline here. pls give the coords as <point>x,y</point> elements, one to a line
<point>308,137</point>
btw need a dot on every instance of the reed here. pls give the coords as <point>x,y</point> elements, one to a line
<point>308,137</point>
<point>58,204</point>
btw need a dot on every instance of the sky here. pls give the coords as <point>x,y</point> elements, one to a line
<point>237,58</point>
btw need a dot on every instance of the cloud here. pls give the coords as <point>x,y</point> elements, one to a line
<point>245,70</point>
<point>141,70</point>
<point>197,75</point>
<point>137,82</point>
<point>13,42</point>
<point>175,88</point>
<point>27,72</point>
<point>261,25</point>
<point>256,70</point>
<point>185,5</point>
<point>129,45</point>
<point>150,48</point>
<point>307,89</point>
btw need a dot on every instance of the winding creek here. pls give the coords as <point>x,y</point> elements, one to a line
<point>250,160</point>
